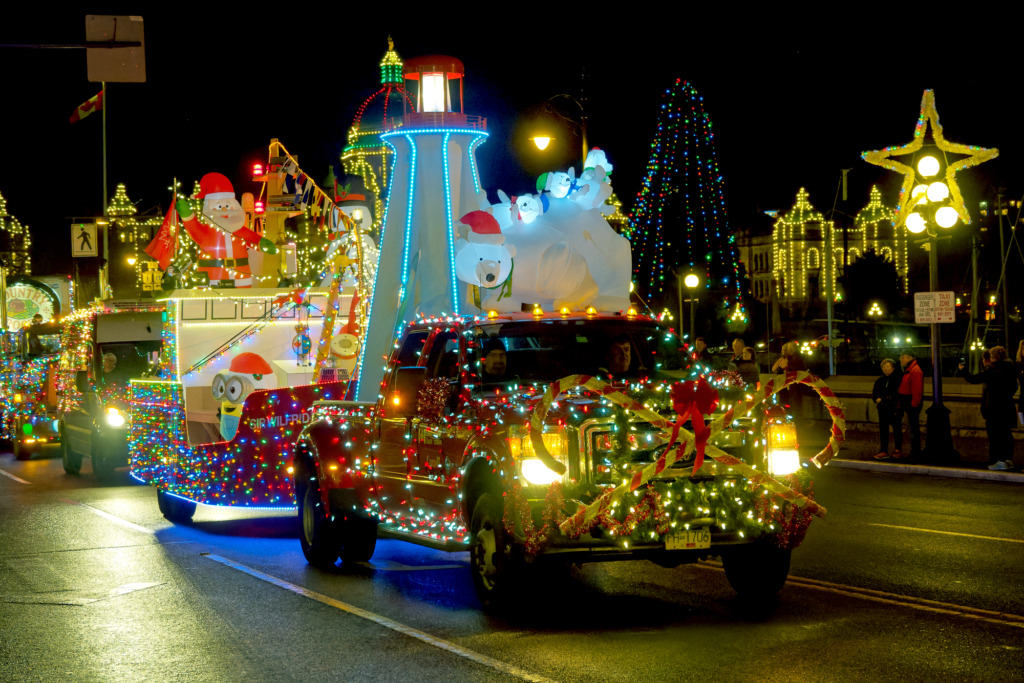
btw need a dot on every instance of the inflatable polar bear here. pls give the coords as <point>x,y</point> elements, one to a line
<point>481,256</point>
<point>566,252</point>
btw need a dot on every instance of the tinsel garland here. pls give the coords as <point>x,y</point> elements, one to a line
<point>791,521</point>
<point>433,396</point>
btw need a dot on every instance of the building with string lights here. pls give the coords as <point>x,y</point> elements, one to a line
<point>15,243</point>
<point>798,259</point>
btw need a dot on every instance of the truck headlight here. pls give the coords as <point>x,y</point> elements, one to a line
<point>532,468</point>
<point>783,456</point>
<point>114,417</point>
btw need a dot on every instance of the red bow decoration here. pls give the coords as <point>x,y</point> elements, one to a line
<point>296,296</point>
<point>694,400</point>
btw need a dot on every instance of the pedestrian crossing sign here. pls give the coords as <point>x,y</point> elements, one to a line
<point>83,240</point>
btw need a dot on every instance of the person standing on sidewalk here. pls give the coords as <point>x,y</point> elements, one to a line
<point>886,394</point>
<point>912,398</point>
<point>1020,382</point>
<point>1000,380</point>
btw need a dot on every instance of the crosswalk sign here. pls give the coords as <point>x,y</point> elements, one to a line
<point>83,240</point>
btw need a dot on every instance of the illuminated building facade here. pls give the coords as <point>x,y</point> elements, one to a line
<point>798,260</point>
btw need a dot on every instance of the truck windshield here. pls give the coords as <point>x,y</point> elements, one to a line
<point>42,339</point>
<point>119,362</point>
<point>545,350</point>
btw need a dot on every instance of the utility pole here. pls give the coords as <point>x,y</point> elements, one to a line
<point>973,326</point>
<point>1004,303</point>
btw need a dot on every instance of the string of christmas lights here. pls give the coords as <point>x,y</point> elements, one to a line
<point>679,221</point>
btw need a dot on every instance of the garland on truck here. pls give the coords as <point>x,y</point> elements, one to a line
<point>639,509</point>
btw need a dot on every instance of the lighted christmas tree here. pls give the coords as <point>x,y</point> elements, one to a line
<point>679,224</point>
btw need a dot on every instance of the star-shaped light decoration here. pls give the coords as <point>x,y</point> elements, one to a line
<point>974,156</point>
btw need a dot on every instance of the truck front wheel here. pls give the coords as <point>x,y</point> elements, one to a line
<point>72,461</point>
<point>22,451</point>
<point>320,537</point>
<point>359,539</point>
<point>177,510</point>
<point>490,553</point>
<point>758,570</point>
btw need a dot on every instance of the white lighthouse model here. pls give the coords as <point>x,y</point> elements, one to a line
<point>434,182</point>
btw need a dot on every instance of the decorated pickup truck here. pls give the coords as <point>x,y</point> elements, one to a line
<point>526,438</point>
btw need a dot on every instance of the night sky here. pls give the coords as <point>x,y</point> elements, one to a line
<point>792,104</point>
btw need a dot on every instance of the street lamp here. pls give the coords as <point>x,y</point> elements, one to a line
<point>931,215</point>
<point>544,138</point>
<point>930,205</point>
<point>692,282</point>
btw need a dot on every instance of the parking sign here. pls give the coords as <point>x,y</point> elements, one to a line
<point>934,307</point>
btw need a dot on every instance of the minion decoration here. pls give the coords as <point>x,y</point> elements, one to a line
<point>232,386</point>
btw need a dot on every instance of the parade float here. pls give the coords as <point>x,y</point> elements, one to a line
<point>33,307</point>
<point>251,341</point>
<point>587,436</point>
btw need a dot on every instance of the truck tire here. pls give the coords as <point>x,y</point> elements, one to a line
<point>757,571</point>
<point>358,540</point>
<point>101,465</point>
<point>22,451</point>
<point>491,553</point>
<point>177,510</point>
<point>319,534</point>
<point>72,461</point>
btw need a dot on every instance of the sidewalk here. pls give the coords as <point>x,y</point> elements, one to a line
<point>858,451</point>
<point>962,471</point>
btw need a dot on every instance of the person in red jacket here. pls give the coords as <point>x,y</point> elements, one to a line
<point>911,400</point>
<point>223,238</point>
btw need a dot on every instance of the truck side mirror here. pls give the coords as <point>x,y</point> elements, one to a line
<point>402,401</point>
<point>82,381</point>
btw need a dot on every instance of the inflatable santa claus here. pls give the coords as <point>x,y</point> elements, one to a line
<point>223,239</point>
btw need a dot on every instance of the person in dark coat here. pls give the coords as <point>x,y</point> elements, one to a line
<point>790,361</point>
<point>701,353</point>
<point>748,368</point>
<point>886,394</point>
<point>1020,382</point>
<point>1000,380</point>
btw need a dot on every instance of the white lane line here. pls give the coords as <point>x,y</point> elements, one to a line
<point>17,479</point>
<point>950,533</point>
<point>384,621</point>
<point>922,604</point>
<point>108,516</point>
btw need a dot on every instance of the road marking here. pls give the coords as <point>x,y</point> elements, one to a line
<point>17,479</point>
<point>922,604</point>
<point>950,533</point>
<point>108,516</point>
<point>383,621</point>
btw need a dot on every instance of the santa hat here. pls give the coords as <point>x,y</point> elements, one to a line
<point>248,363</point>
<point>483,228</point>
<point>214,186</point>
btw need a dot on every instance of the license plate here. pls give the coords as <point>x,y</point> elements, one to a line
<point>689,539</point>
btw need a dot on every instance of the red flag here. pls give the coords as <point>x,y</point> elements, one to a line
<point>88,107</point>
<point>165,244</point>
